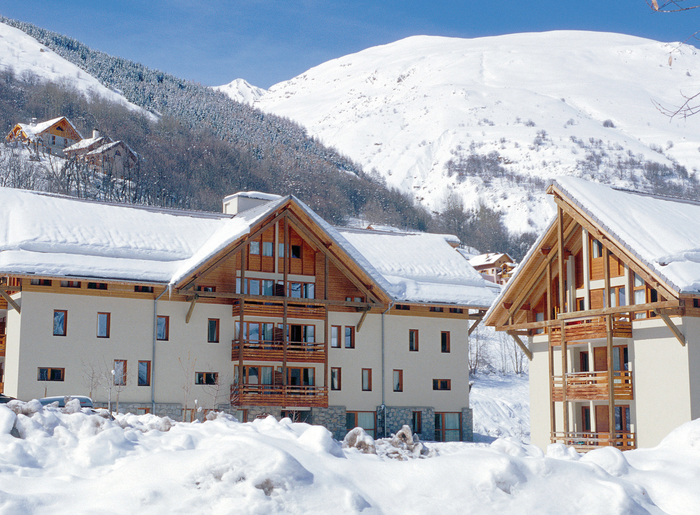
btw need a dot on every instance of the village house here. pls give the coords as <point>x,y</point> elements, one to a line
<point>51,136</point>
<point>608,298</point>
<point>496,267</point>
<point>264,308</point>
<point>103,155</point>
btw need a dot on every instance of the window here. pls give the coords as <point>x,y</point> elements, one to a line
<point>300,377</point>
<point>335,336</point>
<point>242,415</point>
<point>404,307</point>
<point>447,427</point>
<point>301,290</point>
<point>268,248</point>
<point>70,284</point>
<point>586,418</point>
<point>206,378</point>
<point>144,373</point>
<point>51,374</point>
<point>596,249</point>
<point>445,341</point>
<point>255,248</point>
<point>213,330</point>
<point>163,328</point>
<point>301,333</point>
<point>60,321</point>
<point>417,422</point>
<point>364,419</point>
<point>296,251</point>
<point>435,309</point>
<point>398,380</point>
<point>97,286</point>
<point>366,379</point>
<point>413,340</point>
<point>280,250</point>
<point>254,286</point>
<point>119,372</point>
<point>143,289</point>
<point>253,375</point>
<point>349,337</point>
<point>41,282</point>
<point>456,310</point>
<point>442,384</point>
<point>210,289</point>
<point>103,325</point>
<point>268,288</point>
<point>335,378</point>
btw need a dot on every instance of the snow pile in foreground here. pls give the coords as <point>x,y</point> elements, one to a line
<point>63,462</point>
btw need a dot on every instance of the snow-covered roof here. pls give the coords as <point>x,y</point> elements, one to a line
<point>490,258</point>
<point>421,267</point>
<point>662,232</point>
<point>58,236</point>
<point>85,143</point>
<point>107,146</point>
<point>254,195</point>
<point>33,130</point>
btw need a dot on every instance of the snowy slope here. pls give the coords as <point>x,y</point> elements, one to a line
<point>77,463</point>
<point>25,56</point>
<point>241,91</point>
<point>409,107</point>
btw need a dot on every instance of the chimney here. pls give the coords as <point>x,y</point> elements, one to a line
<point>33,122</point>
<point>244,200</point>
<point>95,134</point>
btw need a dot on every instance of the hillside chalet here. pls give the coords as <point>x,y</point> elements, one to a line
<point>265,308</point>
<point>51,136</point>
<point>608,298</point>
<point>496,267</point>
<point>103,155</point>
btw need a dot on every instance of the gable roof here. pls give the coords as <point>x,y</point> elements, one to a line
<point>489,258</point>
<point>56,236</point>
<point>32,131</point>
<point>86,143</point>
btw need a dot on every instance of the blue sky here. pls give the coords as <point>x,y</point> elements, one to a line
<point>266,41</point>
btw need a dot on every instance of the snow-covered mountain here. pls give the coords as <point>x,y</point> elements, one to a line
<point>241,91</point>
<point>25,57</point>
<point>528,106</point>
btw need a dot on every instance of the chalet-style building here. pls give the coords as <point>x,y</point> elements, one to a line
<point>496,267</point>
<point>103,155</point>
<point>608,298</point>
<point>51,136</point>
<point>264,308</point>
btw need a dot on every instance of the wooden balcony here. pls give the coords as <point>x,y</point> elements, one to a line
<point>593,386</point>
<point>279,395</point>
<point>271,310</point>
<point>3,344</point>
<point>584,442</point>
<point>274,351</point>
<point>585,329</point>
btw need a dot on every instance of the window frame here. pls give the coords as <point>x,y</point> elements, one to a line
<point>397,385</point>
<point>337,371</point>
<point>417,422</point>
<point>413,343</point>
<point>166,318</point>
<point>337,345</point>
<point>49,374</point>
<point>64,323</point>
<point>107,326</point>
<point>123,380</point>
<point>204,376</point>
<point>366,380</point>
<point>352,337</point>
<point>445,342</point>
<point>442,385</point>
<point>216,326</point>
<point>148,374</point>
<point>97,286</point>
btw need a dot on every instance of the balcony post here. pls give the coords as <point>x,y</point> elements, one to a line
<point>562,325</point>
<point>548,316</point>
<point>285,329</point>
<point>326,329</point>
<point>241,328</point>
<point>611,375</point>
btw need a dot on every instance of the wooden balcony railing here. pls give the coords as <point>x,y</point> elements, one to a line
<point>3,343</point>
<point>593,386</point>
<point>584,329</point>
<point>279,395</point>
<point>303,311</point>
<point>274,351</point>
<point>584,442</point>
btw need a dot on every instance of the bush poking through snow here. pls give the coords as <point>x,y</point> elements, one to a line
<point>403,445</point>
<point>358,439</point>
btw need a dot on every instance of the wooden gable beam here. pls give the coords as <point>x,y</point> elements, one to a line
<point>298,225</point>
<point>618,251</point>
<point>191,310</point>
<point>472,327</point>
<point>520,344</point>
<point>362,320</point>
<point>10,301</point>
<point>673,327</point>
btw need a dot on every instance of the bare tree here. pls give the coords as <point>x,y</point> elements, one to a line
<point>188,368</point>
<point>92,376</point>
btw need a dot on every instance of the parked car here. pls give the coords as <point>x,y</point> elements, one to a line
<point>4,399</point>
<point>85,402</point>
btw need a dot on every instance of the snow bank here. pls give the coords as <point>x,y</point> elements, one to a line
<point>81,462</point>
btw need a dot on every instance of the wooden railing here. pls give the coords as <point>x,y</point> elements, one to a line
<point>307,352</point>
<point>590,328</point>
<point>279,395</point>
<point>593,386</point>
<point>583,442</point>
<point>296,310</point>
<point>3,344</point>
